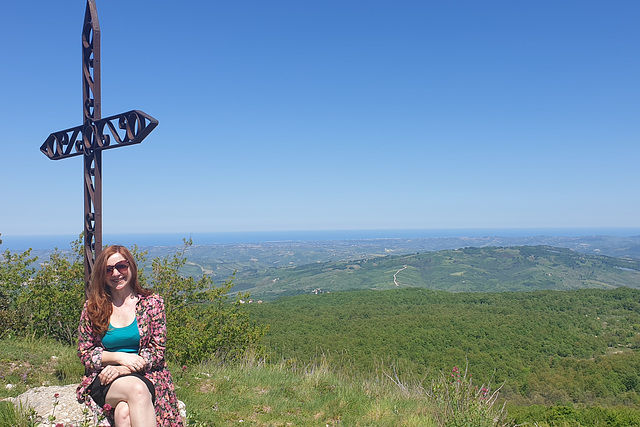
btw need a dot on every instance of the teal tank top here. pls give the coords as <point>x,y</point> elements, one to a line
<point>126,339</point>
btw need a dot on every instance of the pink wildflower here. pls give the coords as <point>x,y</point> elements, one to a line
<point>107,407</point>
<point>59,424</point>
<point>57,395</point>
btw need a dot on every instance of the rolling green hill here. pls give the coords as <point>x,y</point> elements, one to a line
<point>246,259</point>
<point>489,269</point>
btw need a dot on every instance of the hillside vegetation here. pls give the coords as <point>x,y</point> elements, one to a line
<point>286,393</point>
<point>248,259</point>
<point>393,354</point>
<point>549,347</point>
<point>490,269</point>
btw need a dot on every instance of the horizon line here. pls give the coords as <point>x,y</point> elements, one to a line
<point>202,238</point>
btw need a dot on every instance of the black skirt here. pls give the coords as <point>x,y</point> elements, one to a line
<point>98,392</point>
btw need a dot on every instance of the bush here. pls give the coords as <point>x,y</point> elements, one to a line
<point>15,275</point>
<point>201,323</point>
<point>199,316</point>
<point>51,302</point>
<point>570,416</point>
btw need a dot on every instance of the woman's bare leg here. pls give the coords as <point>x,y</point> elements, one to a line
<point>135,392</point>
<point>121,415</point>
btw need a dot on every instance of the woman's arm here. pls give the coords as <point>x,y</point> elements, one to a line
<point>155,331</point>
<point>89,346</point>
<point>133,362</point>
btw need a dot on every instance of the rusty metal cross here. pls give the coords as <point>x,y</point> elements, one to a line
<point>95,135</point>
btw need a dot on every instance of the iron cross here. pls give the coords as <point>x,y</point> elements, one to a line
<point>95,135</point>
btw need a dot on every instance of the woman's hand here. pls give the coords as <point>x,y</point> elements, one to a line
<point>120,363</point>
<point>134,362</point>
<point>111,372</point>
<point>131,361</point>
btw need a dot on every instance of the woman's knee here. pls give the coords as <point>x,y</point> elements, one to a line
<point>139,391</point>
<point>140,388</point>
<point>129,389</point>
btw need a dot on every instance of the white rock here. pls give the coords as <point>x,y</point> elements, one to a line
<point>67,409</point>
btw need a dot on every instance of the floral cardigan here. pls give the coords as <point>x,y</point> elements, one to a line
<point>153,336</point>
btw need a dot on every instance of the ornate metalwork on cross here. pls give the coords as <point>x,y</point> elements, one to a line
<point>95,135</point>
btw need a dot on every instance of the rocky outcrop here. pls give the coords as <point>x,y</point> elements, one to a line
<point>59,405</point>
<point>57,402</point>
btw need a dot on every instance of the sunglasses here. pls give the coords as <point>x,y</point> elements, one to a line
<point>121,266</point>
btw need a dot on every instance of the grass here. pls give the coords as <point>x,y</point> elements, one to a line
<point>254,392</point>
<point>14,416</point>
<point>292,393</point>
<point>28,362</point>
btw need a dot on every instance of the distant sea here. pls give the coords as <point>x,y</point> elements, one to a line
<point>44,242</point>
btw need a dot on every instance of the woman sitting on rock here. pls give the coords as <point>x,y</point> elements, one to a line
<point>122,337</point>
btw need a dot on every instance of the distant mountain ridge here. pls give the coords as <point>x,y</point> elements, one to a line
<point>255,264</point>
<point>470,269</point>
<point>223,259</point>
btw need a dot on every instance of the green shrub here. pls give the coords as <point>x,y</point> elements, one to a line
<point>575,416</point>
<point>202,324</point>
<point>50,304</point>
<point>15,275</point>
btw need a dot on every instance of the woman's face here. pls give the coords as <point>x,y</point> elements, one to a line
<point>118,272</point>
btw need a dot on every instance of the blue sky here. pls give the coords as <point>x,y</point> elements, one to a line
<point>333,114</point>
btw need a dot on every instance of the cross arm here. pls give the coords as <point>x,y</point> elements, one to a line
<point>122,129</point>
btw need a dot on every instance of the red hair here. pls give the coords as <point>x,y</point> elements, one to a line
<point>99,302</point>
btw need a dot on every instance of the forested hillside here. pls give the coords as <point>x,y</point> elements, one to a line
<point>490,269</point>
<point>550,347</point>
